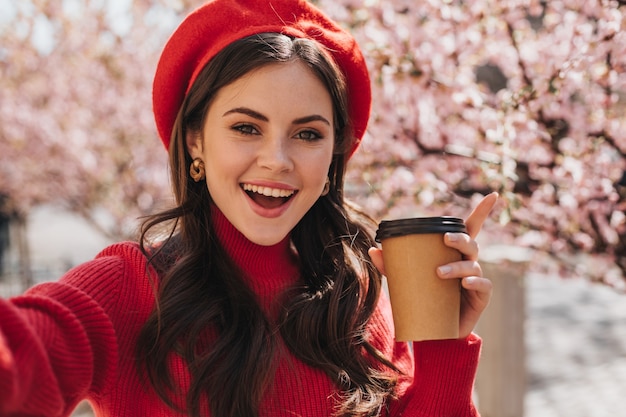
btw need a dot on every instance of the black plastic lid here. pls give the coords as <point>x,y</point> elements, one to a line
<point>419,225</point>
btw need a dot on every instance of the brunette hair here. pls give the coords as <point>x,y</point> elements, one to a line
<point>323,321</point>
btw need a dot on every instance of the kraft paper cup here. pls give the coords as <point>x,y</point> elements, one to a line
<point>424,306</point>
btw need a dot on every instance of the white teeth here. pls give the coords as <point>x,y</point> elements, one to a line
<point>267,191</point>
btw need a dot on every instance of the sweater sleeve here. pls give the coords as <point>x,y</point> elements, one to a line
<point>437,376</point>
<point>443,379</point>
<point>57,341</point>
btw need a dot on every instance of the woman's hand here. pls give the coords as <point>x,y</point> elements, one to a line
<point>476,290</point>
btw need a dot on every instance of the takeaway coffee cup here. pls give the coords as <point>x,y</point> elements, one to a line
<point>424,306</point>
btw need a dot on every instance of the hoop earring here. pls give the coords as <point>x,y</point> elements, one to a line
<point>196,170</point>
<point>326,187</point>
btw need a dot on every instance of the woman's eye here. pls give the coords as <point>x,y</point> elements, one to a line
<point>245,129</point>
<point>308,135</point>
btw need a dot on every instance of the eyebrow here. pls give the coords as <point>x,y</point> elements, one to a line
<point>256,115</point>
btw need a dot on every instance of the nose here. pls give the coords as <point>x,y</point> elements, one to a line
<point>275,154</point>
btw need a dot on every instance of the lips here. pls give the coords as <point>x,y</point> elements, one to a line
<point>268,197</point>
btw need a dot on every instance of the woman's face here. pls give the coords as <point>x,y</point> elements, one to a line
<point>267,145</point>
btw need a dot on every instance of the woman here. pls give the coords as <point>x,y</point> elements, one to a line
<point>256,294</point>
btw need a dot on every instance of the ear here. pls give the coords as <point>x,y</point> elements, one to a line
<point>194,141</point>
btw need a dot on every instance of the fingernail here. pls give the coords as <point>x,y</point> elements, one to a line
<point>452,237</point>
<point>444,270</point>
<point>469,280</point>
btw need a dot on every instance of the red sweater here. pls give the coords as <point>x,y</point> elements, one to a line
<point>65,341</point>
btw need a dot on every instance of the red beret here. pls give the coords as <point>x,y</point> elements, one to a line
<point>218,23</point>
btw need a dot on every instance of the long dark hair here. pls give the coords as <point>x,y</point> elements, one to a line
<point>323,321</point>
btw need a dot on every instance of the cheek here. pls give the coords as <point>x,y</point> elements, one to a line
<point>222,168</point>
<point>317,169</point>
<point>219,174</point>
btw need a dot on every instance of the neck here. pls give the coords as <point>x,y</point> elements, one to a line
<point>268,269</point>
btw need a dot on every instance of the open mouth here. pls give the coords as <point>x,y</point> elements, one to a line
<point>268,197</point>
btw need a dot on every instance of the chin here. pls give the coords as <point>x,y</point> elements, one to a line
<point>269,239</point>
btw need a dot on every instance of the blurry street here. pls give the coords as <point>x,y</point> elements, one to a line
<point>576,341</point>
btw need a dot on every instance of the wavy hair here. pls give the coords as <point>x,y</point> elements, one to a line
<point>323,321</point>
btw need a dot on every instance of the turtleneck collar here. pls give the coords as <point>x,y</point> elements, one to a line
<point>269,268</point>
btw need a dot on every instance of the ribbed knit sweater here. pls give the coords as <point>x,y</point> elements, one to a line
<point>62,342</point>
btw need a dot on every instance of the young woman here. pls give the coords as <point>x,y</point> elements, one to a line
<point>256,295</point>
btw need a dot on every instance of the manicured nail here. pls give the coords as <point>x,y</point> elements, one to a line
<point>444,270</point>
<point>452,237</point>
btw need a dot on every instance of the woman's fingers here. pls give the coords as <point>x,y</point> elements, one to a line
<point>482,286</point>
<point>476,295</point>
<point>377,259</point>
<point>460,269</point>
<point>463,243</point>
<point>480,213</point>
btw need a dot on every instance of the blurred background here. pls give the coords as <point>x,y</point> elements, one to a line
<point>523,97</point>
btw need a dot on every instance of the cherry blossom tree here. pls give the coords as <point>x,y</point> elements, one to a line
<point>76,119</point>
<point>523,97</point>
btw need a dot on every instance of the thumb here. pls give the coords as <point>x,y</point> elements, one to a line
<point>376,255</point>
<point>480,213</point>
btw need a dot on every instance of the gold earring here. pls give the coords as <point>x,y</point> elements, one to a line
<point>196,170</point>
<point>326,187</point>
